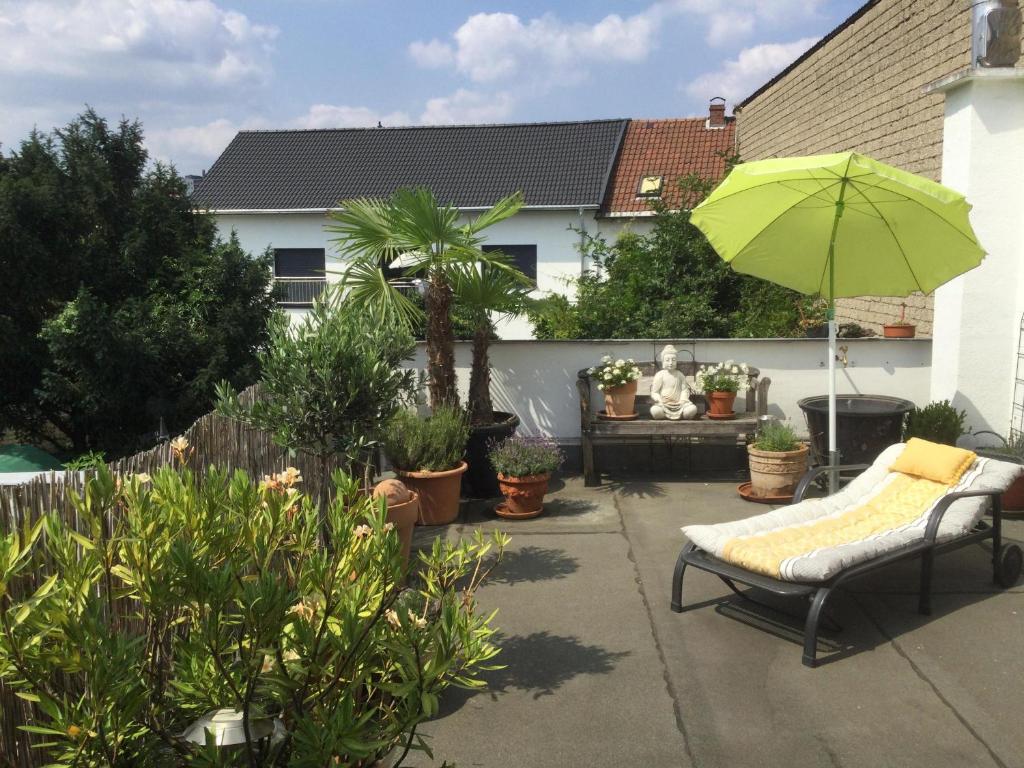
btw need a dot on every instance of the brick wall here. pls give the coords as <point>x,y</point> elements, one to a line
<point>863,90</point>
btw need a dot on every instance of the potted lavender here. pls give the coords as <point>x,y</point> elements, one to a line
<point>524,466</point>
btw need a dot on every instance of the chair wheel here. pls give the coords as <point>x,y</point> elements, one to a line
<point>1008,566</point>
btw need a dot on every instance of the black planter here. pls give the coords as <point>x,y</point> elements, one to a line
<point>865,426</point>
<point>480,480</point>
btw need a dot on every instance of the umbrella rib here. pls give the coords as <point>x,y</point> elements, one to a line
<point>920,205</point>
<point>898,245</point>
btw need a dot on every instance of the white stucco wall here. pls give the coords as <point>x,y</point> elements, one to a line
<point>537,379</point>
<point>978,315</point>
<point>558,256</point>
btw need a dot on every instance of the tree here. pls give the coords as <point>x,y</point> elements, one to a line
<point>121,304</point>
<point>430,242</point>
<point>481,291</point>
<point>329,386</point>
<point>669,283</point>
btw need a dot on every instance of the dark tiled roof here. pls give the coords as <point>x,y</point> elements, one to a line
<point>553,164</point>
<point>671,149</point>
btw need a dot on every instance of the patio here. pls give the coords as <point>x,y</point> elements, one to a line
<point>599,672</point>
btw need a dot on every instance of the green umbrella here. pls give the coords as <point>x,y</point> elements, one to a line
<point>839,225</point>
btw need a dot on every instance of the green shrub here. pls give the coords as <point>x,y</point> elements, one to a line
<point>434,444</point>
<point>777,437</point>
<point>88,460</point>
<point>179,595</point>
<point>938,422</point>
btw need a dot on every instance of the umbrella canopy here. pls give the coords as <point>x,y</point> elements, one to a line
<point>839,225</point>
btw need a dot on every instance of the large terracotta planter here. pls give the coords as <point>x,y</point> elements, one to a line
<point>776,473</point>
<point>403,517</point>
<point>524,496</point>
<point>438,492</point>
<point>620,400</point>
<point>720,403</point>
<point>1013,499</point>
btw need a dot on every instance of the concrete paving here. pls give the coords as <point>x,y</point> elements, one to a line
<point>599,672</point>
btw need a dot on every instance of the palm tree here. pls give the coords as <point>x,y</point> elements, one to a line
<point>485,291</point>
<point>430,243</point>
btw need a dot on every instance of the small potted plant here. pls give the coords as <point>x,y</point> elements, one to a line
<point>937,422</point>
<point>720,383</point>
<point>426,455</point>
<point>617,380</point>
<point>524,467</point>
<point>901,329</point>
<point>403,507</point>
<point>1012,449</point>
<point>777,461</point>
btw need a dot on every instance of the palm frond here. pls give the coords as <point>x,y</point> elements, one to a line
<point>500,211</point>
<point>363,282</point>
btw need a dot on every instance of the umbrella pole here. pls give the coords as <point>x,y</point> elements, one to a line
<point>833,454</point>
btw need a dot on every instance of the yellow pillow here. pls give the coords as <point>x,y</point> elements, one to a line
<point>933,461</point>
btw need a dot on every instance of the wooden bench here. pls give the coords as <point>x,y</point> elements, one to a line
<point>598,431</point>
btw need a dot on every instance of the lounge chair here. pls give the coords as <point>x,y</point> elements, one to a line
<point>917,499</point>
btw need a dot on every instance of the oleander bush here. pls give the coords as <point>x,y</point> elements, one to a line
<point>178,595</point>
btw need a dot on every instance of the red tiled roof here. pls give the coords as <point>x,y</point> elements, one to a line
<point>668,148</point>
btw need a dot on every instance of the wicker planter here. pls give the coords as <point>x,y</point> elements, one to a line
<point>524,496</point>
<point>620,400</point>
<point>776,473</point>
<point>438,492</point>
<point>720,403</point>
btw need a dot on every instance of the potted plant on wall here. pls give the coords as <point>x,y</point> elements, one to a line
<point>720,383</point>
<point>426,455</point>
<point>524,466</point>
<point>901,329</point>
<point>777,461</point>
<point>617,380</point>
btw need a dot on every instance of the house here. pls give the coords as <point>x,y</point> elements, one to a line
<point>274,188</point>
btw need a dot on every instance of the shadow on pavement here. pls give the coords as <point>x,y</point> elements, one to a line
<point>531,564</point>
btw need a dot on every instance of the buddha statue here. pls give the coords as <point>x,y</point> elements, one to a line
<point>670,393</point>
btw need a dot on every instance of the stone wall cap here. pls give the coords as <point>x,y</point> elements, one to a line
<point>964,76</point>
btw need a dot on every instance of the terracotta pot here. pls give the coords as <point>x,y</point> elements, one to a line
<point>620,401</point>
<point>403,517</point>
<point>438,492</point>
<point>524,496</point>
<point>1013,499</point>
<point>897,331</point>
<point>720,403</point>
<point>776,473</point>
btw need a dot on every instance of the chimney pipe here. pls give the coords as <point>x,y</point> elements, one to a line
<point>716,113</point>
<point>995,33</point>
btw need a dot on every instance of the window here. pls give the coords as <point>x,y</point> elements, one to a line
<point>523,257</point>
<point>650,186</point>
<point>307,263</point>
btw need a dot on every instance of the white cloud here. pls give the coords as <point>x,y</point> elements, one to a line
<point>488,47</point>
<point>342,116</point>
<point>494,46</point>
<point>158,43</point>
<point>739,77</point>
<point>465,106</point>
<point>432,54</point>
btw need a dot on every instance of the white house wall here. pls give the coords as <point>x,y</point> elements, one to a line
<point>558,255</point>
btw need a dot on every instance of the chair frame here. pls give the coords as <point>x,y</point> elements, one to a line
<point>819,592</point>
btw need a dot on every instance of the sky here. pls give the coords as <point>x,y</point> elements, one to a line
<point>197,71</point>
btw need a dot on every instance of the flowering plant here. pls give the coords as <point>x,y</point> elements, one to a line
<point>722,377</point>
<point>614,373</point>
<point>520,456</point>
